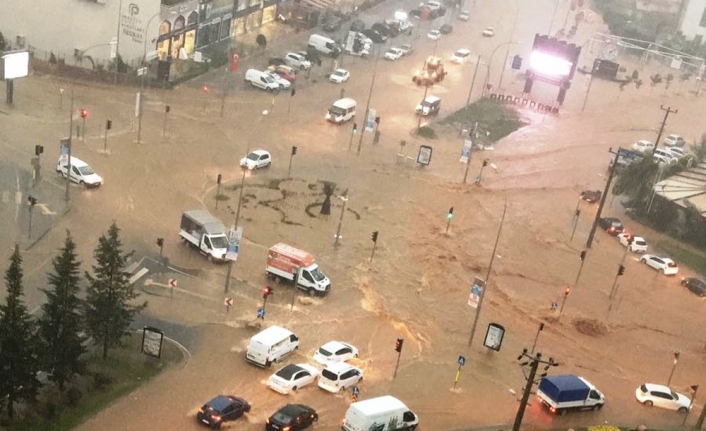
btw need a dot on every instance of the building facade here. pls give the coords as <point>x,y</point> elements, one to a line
<point>692,22</point>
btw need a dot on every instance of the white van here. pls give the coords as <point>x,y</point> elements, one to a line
<point>271,345</point>
<point>341,111</point>
<point>380,414</point>
<point>324,44</point>
<point>260,79</point>
<point>81,173</point>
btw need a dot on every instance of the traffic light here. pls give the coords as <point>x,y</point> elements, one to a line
<point>219,179</point>
<point>294,149</point>
<point>567,290</point>
<point>621,270</point>
<point>266,291</point>
<point>516,62</point>
<point>374,236</point>
<point>160,242</point>
<point>450,214</point>
<point>84,113</point>
<point>32,200</point>
<point>205,89</point>
<point>355,128</point>
<point>167,108</point>
<point>294,91</point>
<point>582,256</point>
<point>398,345</point>
<point>485,163</point>
<point>38,149</point>
<point>108,124</point>
<point>377,120</point>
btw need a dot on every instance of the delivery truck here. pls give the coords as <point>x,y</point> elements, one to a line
<point>205,232</point>
<point>569,392</point>
<point>385,413</point>
<point>286,262</point>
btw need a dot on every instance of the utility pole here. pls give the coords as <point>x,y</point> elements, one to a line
<point>344,198</point>
<point>536,337</point>
<point>472,136</point>
<point>473,81</point>
<point>487,277</point>
<point>289,170</point>
<point>589,242</point>
<point>533,362</point>
<point>596,62</point>
<point>367,105</point>
<point>32,202</point>
<point>694,389</point>
<point>67,197</point>
<point>667,111</point>
<point>674,366</point>
<point>224,90</point>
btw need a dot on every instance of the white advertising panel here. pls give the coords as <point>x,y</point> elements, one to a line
<point>15,64</point>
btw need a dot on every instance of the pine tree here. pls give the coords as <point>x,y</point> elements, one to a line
<point>62,321</point>
<point>109,311</point>
<point>18,359</point>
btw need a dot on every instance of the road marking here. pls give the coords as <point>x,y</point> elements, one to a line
<point>139,275</point>
<point>5,196</point>
<point>18,198</point>
<point>45,209</point>
<point>150,282</point>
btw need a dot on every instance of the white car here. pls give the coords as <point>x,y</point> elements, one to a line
<point>406,49</point>
<point>283,83</point>
<point>434,35</point>
<point>662,264</point>
<point>81,173</point>
<point>488,32</point>
<point>256,160</point>
<point>339,76</point>
<point>643,146</point>
<point>393,54</point>
<point>676,152</point>
<point>335,351</point>
<point>461,56</point>
<point>292,377</point>
<point>297,61</point>
<point>674,140</point>
<point>340,375</point>
<point>636,244</point>
<point>650,394</point>
<point>464,15</point>
<point>663,156</point>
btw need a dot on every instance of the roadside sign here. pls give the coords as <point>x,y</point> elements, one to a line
<point>228,302</point>
<point>476,292</point>
<point>461,360</point>
<point>235,235</point>
<point>261,313</point>
<point>466,151</point>
<point>494,336</point>
<point>172,282</point>
<point>370,121</point>
<point>424,156</point>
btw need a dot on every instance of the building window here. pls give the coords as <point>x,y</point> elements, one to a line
<point>225,28</point>
<point>703,19</point>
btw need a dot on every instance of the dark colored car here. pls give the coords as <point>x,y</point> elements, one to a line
<point>276,61</point>
<point>221,409</point>
<point>382,28</point>
<point>695,285</point>
<point>446,29</point>
<point>292,417</point>
<point>357,25</point>
<point>611,225</point>
<point>415,13</point>
<point>591,196</point>
<point>332,23</point>
<point>374,35</point>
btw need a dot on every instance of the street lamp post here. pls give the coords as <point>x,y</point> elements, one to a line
<point>473,81</point>
<point>367,105</point>
<point>512,35</point>
<point>344,198</point>
<point>490,61</point>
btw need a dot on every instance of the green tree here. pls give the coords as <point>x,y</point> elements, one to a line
<point>109,297</point>
<point>61,321</point>
<point>18,358</point>
<point>636,182</point>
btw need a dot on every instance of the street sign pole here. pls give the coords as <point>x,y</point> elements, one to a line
<point>461,363</point>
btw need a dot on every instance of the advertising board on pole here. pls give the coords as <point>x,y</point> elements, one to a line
<point>476,292</point>
<point>234,237</point>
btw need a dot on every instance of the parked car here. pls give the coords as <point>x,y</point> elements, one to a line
<point>297,61</point>
<point>636,244</point>
<point>664,265</point>
<point>663,156</point>
<point>676,152</point>
<point>650,394</point>
<point>335,351</point>
<point>283,83</point>
<point>488,32</point>
<point>611,225</point>
<point>339,76</point>
<point>383,29</point>
<point>276,61</point>
<point>643,146</point>
<point>591,196</point>
<point>446,29</point>
<point>464,15</point>
<point>394,54</point>
<point>338,376</point>
<point>406,49</point>
<point>284,71</point>
<point>434,34</point>
<point>674,140</point>
<point>357,25</point>
<point>461,56</point>
<point>81,173</point>
<point>256,160</point>
<point>364,39</point>
<point>695,285</point>
<point>292,377</point>
<point>374,35</point>
<point>292,417</point>
<point>332,23</point>
<point>223,408</point>
<point>415,13</point>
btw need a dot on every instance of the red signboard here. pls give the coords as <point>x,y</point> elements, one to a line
<point>234,63</point>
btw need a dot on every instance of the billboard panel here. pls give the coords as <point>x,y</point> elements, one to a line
<point>15,64</point>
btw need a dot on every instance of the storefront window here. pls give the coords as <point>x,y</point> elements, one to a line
<point>268,14</point>
<point>225,27</point>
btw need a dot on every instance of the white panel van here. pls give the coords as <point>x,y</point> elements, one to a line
<point>260,79</point>
<point>341,111</point>
<point>271,345</point>
<point>324,45</point>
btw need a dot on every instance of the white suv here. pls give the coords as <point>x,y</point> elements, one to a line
<point>297,61</point>
<point>340,375</point>
<point>674,140</point>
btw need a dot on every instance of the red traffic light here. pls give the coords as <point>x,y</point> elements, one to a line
<point>266,291</point>
<point>567,291</point>
<point>84,113</point>
<point>205,89</point>
<point>398,344</point>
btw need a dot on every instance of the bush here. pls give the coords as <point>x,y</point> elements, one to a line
<point>49,411</point>
<point>101,381</point>
<point>426,132</point>
<point>73,396</point>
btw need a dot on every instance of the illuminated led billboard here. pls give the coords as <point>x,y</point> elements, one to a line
<point>549,65</point>
<point>15,64</point>
<point>552,61</point>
